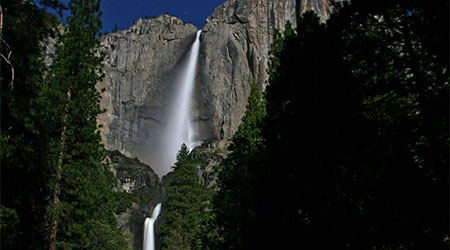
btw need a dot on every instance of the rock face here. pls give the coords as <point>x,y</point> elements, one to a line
<point>142,60</point>
<point>209,158</point>
<point>143,184</point>
<point>235,49</point>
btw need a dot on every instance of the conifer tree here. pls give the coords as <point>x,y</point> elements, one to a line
<point>404,92</point>
<point>82,205</point>
<point>23,137</point>
<point>235,201</point>
<point>185,205</point>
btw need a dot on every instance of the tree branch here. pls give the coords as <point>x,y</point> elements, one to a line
<point>12,68</point>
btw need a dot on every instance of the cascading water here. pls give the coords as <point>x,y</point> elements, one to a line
<point>179,128</point>
<point>149,232</point>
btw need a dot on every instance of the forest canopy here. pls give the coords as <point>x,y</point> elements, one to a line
<point>57,189</point>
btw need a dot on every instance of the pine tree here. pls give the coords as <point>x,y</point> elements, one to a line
<point>235,200</point>
<point>82,209</point>
<point>311,115</point>
<point>404,92</point>
<point>185,205</point>
<point>24,138</point>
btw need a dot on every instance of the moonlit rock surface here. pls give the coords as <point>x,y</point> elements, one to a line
<point>149,231</point>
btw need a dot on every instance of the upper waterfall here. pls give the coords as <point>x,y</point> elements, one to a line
<point>179,127</point>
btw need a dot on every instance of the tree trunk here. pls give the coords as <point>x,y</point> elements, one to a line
<point>57,189</point>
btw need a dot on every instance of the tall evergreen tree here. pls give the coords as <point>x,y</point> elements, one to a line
<point>82,209</point>
<point>310,124</point>
<point>24,138</point>
<point>404,90</point>
<point>185,205</point>
<point>239,178</point>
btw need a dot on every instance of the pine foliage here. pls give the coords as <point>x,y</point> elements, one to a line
<point>239,178</point>
<point>56,187</point>
<point>185,205</point>
<point>85,206</point>
<point>355,138</point>
<point>24,139</point>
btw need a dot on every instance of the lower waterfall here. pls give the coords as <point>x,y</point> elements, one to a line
<point>149,231</point>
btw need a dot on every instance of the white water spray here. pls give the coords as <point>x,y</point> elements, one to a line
<point>149,231</point>
<point>179,127</point>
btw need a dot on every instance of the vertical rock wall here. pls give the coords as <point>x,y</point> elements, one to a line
<point>235,49</point>
<point>139,70</point>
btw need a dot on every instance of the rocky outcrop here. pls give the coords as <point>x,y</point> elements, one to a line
<point>209,157</point>
<point>138,180</point>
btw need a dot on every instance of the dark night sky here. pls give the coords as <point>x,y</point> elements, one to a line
<point>125,12</point>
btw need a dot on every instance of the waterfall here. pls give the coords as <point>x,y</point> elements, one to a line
<point>149,232</point>
<point>179,127</point>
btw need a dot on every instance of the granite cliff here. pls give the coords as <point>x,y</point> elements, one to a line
<point>141,63</point>
<point>235,51</point>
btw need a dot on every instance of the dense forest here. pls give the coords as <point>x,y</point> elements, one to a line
<point>57,190</point>
<point>346,148</point>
